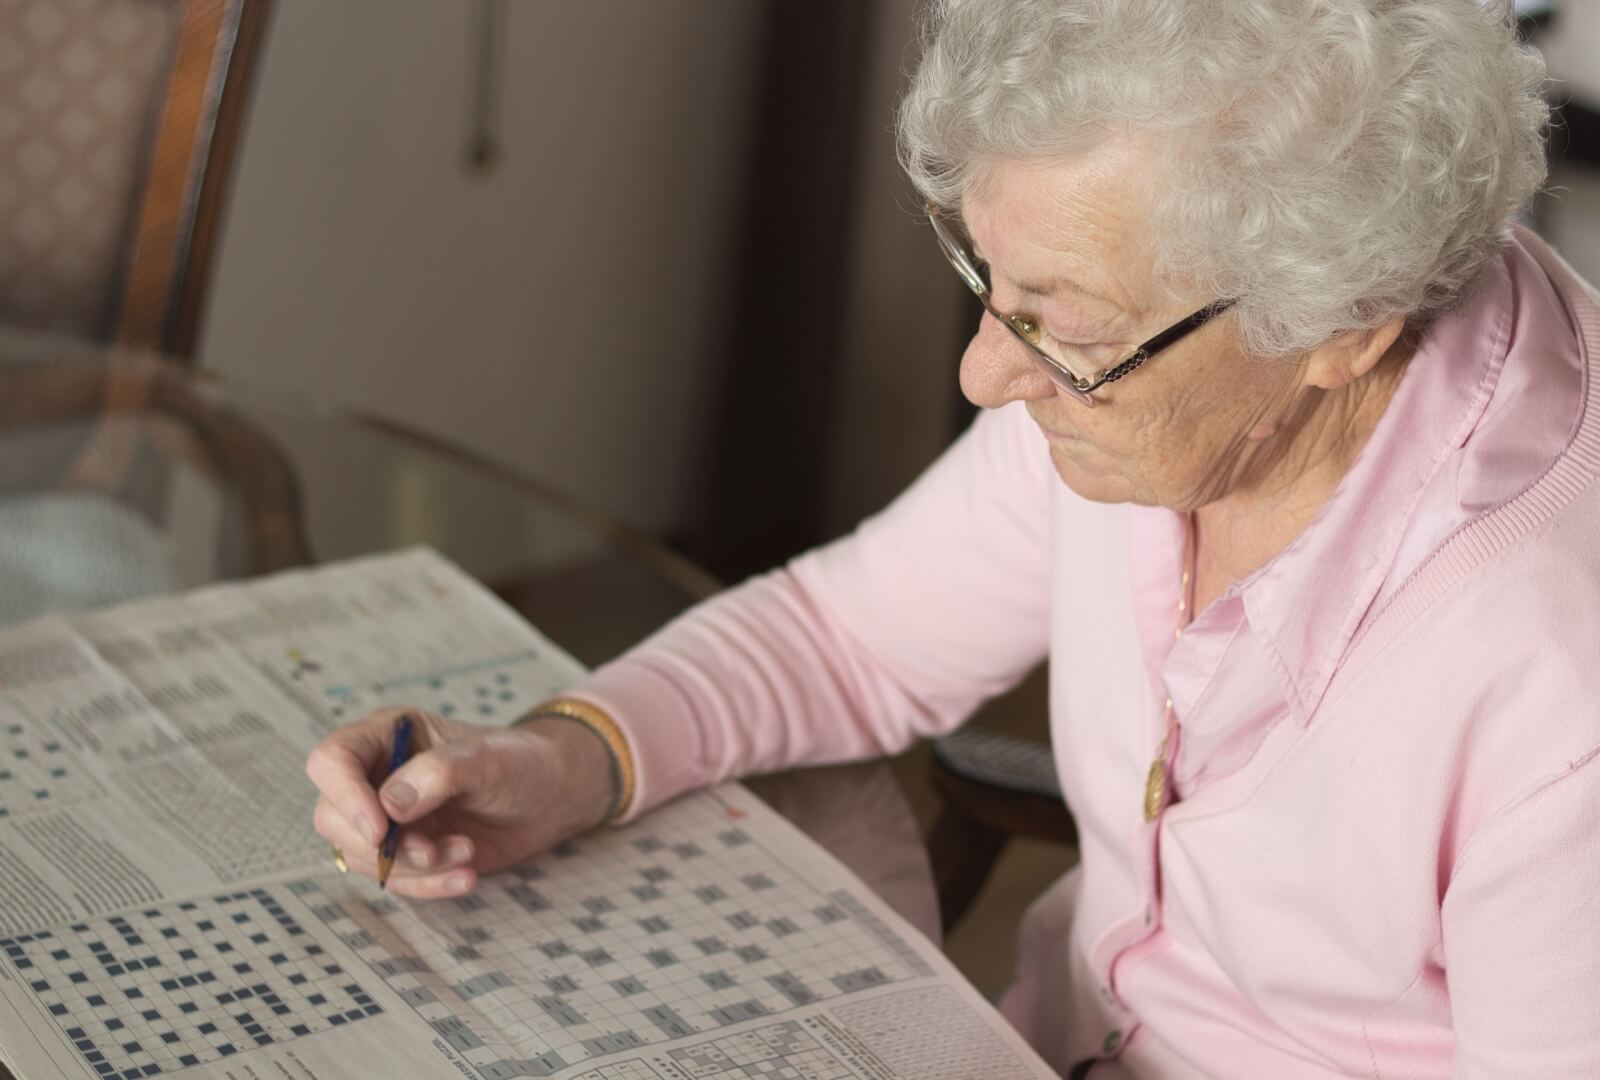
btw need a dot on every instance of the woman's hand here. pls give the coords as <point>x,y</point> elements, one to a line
<point>471,800</point>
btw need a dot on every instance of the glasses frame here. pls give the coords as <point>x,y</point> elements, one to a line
<point>1025,327</point>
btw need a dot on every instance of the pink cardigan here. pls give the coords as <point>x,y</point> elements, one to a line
<point>1384,859</point>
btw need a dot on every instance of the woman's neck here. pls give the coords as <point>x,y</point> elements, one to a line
<point>1243,531</point>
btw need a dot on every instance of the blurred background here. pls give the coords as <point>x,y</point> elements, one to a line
<point>655,254</point>
<point>658,253</point>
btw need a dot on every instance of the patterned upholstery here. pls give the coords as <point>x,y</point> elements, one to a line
<point>80,81</point>
<point>67,551</point>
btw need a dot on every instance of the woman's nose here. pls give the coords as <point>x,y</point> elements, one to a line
<point>998,369</point>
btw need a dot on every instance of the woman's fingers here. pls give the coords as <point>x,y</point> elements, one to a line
<point>417,851</point>
<point>437,886</point>
<point>420,884</point>
<point>431,779</point>
<point>417,856</point>
<point>335,828</point>
<point>341,764</point>
<point>354,816</point>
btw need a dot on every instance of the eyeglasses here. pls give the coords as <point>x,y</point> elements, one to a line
<point>1026,327</point>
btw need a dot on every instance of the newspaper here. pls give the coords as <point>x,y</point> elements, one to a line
<point>165,906</point>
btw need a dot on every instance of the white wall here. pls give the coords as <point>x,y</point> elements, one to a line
<point>556,314</point>
<point>1573,48</point>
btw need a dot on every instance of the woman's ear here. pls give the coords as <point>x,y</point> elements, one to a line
<point>1344,359</point>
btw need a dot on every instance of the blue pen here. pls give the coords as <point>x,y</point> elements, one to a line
<point>391,839</point>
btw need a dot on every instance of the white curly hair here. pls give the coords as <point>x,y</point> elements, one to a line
<point>1331,164</point>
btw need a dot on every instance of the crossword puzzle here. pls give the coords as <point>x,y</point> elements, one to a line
<point>784,1051</point>
<point>139,995</point>
<point>632,940</point>
<point>36,773</point>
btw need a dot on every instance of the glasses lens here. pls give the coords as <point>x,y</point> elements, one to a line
<point>1064,363</point>
<point>958,250</point>
<point>1052,366</point>
<point>1026,326</point>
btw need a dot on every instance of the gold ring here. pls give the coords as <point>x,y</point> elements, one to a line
<point>338,860</point>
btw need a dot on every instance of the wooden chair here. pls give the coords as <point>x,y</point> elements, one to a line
<point>119,120</point>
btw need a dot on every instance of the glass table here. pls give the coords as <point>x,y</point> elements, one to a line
<point>125,475</point>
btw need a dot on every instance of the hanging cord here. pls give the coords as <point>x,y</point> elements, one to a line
<point>488,64</point>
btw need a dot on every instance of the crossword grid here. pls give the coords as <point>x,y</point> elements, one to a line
<point>139,995</point>
<point>783,1051</point>
<point>638,938</point>
<point>36,773</point>
<point>637,1069</point>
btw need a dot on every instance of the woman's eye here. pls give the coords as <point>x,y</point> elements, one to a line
<point>1090,355</point>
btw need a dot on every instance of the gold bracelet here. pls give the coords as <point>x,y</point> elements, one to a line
<point>623,774</point>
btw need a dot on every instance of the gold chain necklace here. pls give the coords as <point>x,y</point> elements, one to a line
<point>1155,782</point>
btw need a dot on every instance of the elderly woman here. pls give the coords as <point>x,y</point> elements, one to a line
<point>1288,466</point>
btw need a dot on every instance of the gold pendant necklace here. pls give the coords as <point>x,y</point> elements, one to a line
<point>1155,785</point>
<point>1155,782</point>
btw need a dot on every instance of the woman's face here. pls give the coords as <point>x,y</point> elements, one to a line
<point>1070,242</point>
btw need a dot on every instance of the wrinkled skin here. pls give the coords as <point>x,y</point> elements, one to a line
<point>1252,446</point>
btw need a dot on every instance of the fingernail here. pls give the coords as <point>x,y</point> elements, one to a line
<point>415,858</point>
<point>456,884</point>
<point>399,794</point>
<point>457,851</point>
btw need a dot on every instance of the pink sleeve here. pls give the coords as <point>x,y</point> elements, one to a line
<point>1521,956</point>
<point>856,648</point>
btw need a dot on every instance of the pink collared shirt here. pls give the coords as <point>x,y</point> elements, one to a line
<point>1384,855</point>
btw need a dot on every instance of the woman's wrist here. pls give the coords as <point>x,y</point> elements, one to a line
<point>589,739</point>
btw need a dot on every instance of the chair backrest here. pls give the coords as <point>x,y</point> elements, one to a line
<point>118,124</point>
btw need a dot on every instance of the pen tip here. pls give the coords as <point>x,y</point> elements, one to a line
<point>384,866</point>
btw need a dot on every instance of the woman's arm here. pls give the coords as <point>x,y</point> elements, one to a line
<point>857,648</point>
